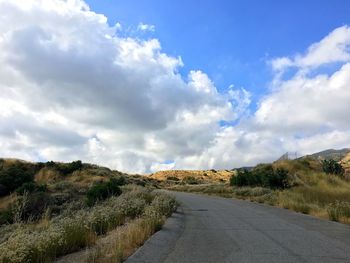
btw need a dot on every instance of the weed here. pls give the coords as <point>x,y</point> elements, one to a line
<point>338,210</point>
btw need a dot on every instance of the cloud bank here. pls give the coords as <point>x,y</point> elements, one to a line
<point>72,88</point>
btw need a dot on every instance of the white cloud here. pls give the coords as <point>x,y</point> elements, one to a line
<point>335,47</point>
<point>72,88</point>
<point>304,113</point>
<point>146,27</point>
<point>162,166</point>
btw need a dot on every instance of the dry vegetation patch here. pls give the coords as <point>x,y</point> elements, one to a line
<point>76,229</point>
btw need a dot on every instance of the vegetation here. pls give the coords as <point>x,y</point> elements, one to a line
<point>52,209</point>
<point>339,210</point>
<point>102,190</point>
<point>190,180</point>
<point>134,234</point>
<point>31,187</point>
<point>14,176</point>
<point>332,167</point>
<point>66,168</point>
<point>77,229</point>
<point>264,176</point>
<point>173,178</point>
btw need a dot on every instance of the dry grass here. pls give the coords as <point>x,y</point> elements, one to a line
<point>215,189</point>
<point>5,201</point>
<point>124,240</point>
<point>339,211</point>
<point>202,176</point>
<point>48,239</point>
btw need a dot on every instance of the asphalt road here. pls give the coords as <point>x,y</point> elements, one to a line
<point>212,229</point>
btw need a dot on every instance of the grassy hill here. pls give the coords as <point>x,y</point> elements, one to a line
<point>52,209</point>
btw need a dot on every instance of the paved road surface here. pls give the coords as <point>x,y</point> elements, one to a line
<point>213,229</point>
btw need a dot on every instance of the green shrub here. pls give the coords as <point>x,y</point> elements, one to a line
<point>31,187</point>
<point>28,207</point>
<point>65,168</point>
<point>6,216</point>
<point>33,205</point>
<point>241,179</point>
<point>14,176</point>
<point>332,167</point>
<point>262,175</point>
<point>120,180</point>
<point>279,179</point>
<point>3,190</point>
<point>101,191</point>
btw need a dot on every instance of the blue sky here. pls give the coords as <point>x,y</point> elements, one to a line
<point>231,40</point>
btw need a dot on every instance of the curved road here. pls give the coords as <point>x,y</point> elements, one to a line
<point>213,229</point>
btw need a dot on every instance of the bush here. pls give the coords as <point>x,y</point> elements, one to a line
<point>101,191</point>
<point>190,180</point>
<point>120,180</point>
<point>6,216</point>
<point>28,207</point>
<point>278,179</point>
<point>332,167</point>
<point>66,168</point>
<point>241,179</point>
<point>262,175</point>
<point>14,176</point>
<point>32,206</point>
<point>31,187</point>
<point>3,190</point>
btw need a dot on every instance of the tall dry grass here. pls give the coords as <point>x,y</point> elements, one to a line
<point>80,229</point>
<point>129,237</point>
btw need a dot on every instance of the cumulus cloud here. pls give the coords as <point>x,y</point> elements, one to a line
<point>73,88</point>
<point>306,112</point>
<point>331,49</point>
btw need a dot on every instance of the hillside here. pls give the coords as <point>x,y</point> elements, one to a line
<point>52,209</point>
<point>194,176</point>
<point>336,155</point>
<point>54,185</point>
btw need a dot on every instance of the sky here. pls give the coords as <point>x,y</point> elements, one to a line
<point>230,40</point>
<point>141,86</point>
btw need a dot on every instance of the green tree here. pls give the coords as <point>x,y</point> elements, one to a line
<point>332,167</point>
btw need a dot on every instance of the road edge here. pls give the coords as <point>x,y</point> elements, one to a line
<point>159,245</point>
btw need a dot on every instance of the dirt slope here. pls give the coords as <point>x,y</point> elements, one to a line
<point>204,175</point>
